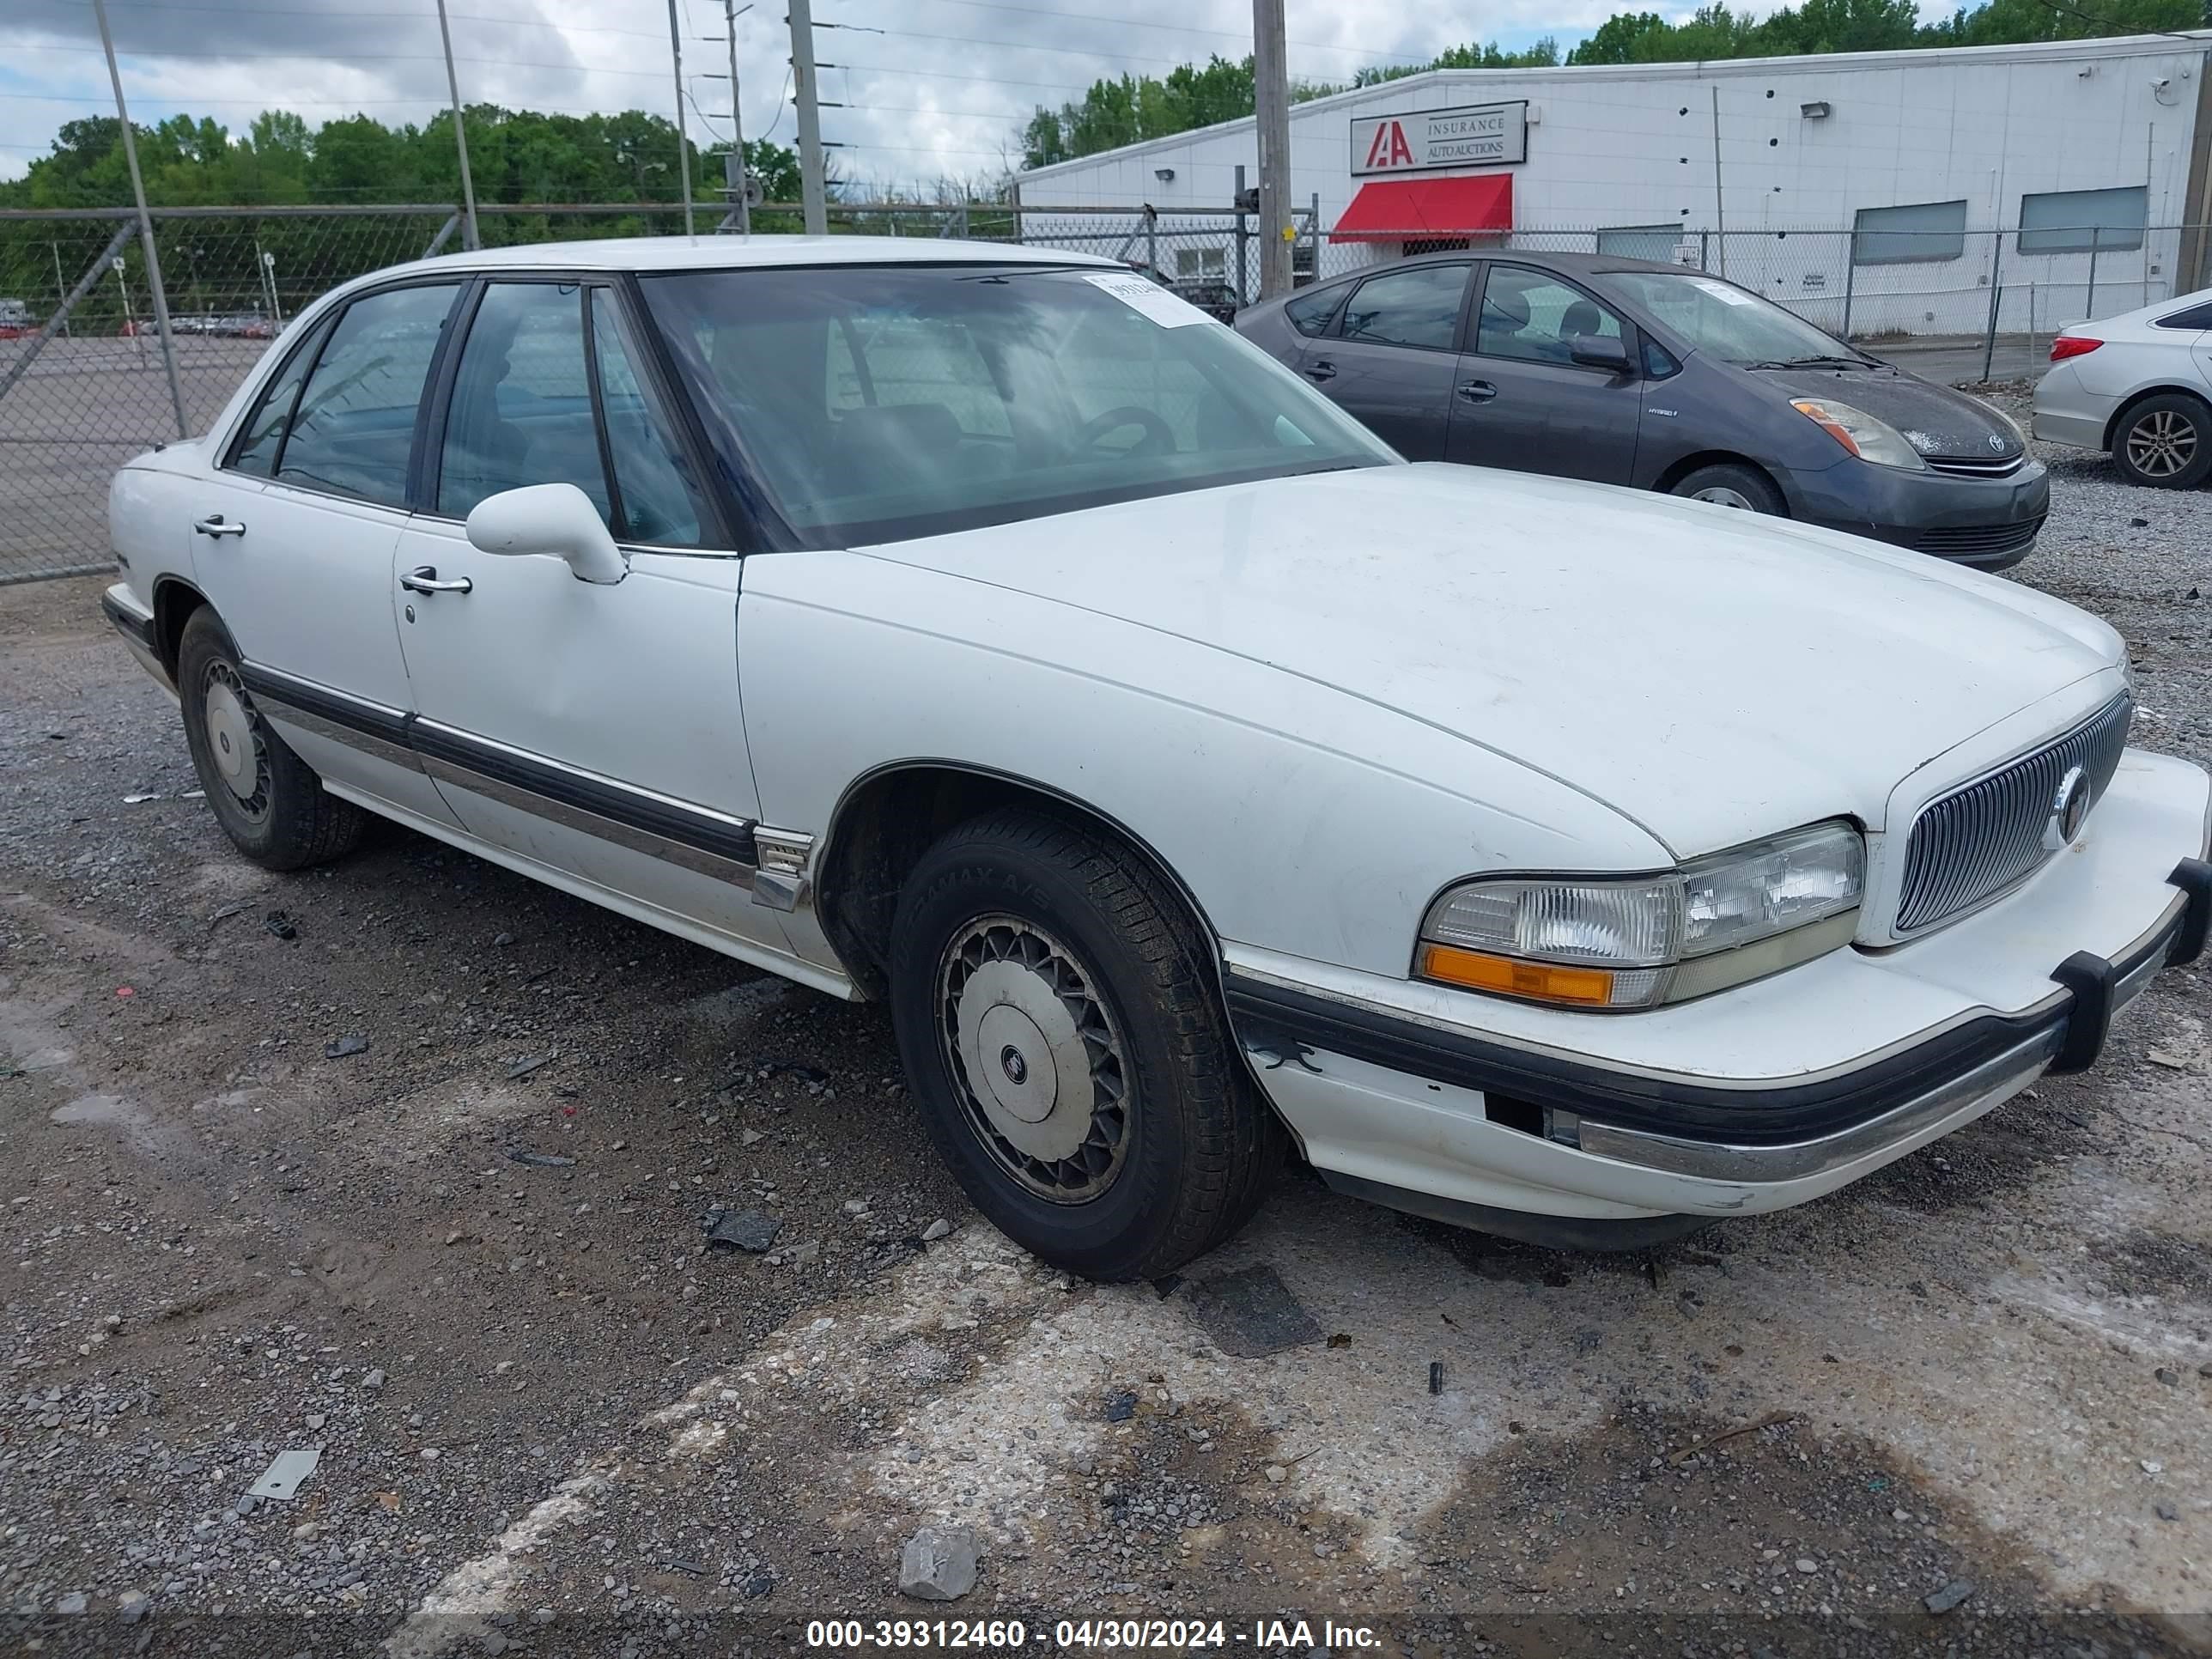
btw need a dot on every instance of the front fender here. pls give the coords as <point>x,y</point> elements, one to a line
<point>1301,819</point>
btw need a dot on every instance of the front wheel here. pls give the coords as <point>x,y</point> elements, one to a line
<point>1058,1020</point>
<point>268,801</point>
<point>2165,442</point>
<point>1728,485</point>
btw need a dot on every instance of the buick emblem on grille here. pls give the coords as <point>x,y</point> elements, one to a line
<point>2067,808</point>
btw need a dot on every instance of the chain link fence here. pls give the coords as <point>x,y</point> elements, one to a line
<point>85,382</point>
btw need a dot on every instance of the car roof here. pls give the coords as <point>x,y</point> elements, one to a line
<point>727,252</point>
<point>1571,264</point>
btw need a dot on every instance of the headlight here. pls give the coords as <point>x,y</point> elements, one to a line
<point>1860,433</point>
<point>1634,942</point>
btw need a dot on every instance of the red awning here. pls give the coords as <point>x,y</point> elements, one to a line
<point>1412,209</point>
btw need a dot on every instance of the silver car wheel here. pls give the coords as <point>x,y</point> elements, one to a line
<point>1721,495</point>
<point>1036,1059</point>
<point>2161,443</point>
<point>235,741</point>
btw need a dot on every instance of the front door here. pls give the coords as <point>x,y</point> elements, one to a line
<point>294,537</point>
<point>1388,361</point>
<point>1523,402</point>
<point>590,731</point>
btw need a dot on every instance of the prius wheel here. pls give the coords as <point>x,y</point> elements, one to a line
<point>1057,1017</point>
<point>269,803</point>
<point>1726,484</point>
<point>2166,442</point>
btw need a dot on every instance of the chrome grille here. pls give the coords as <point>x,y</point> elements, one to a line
<point>1975,842</point>
<point>1977,466</point>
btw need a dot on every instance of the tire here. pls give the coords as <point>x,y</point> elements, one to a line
<point>1729,484</point>
<point>1060,969</point>
<point>2164,442</point>
<point>278,815</point>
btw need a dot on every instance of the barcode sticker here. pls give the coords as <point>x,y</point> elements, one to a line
<point>1148,297</point>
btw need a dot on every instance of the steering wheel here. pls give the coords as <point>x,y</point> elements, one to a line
<point>1158,439</point>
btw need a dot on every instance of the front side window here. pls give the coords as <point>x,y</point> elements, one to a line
<point>867,403</point>
<point>1732,324</point>
<point>521,407</point>
<point>1527,314</point>
<point>1415,307</point>
<point>652,483</point>
<point>356,422</point>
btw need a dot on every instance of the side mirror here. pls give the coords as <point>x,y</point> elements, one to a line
<point>1598,351</point>
<point>554,520</point>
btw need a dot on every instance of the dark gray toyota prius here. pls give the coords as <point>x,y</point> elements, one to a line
<point>1626,371</point>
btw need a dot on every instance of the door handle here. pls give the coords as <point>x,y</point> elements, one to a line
<point>1477,391</point>
<point>216,526</point>
<point>424,579</point>
<point>1323,370</point>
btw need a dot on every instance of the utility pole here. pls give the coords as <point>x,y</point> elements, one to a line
<point>742,206</point>
<point>1720,208</point>
<point>471,235</point>
<point>145,225</point>
<point>683,127</point>
<point>810,191</point>
<point>1271,97</point>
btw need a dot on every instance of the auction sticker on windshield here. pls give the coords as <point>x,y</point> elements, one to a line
<point>1150,298</point>
<point>1722,292</point>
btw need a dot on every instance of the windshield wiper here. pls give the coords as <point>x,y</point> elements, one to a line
<point>1817,362</point>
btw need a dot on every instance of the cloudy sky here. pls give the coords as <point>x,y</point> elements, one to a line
<point>940,91</point>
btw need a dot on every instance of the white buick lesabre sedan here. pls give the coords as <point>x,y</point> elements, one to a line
<point>983,630</point>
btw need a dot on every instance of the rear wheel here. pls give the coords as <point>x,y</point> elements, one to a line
<point>2165,442</point>
<point>1728,484</point>
<point>268,801</point>
<point>1057,1017</point>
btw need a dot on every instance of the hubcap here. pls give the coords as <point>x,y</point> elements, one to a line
<point>1036,1058</point>
<point>2162,443</point>
<point>234,740</point>
<point>1721,495</point>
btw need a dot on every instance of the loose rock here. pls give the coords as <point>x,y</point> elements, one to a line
<point>939,1563</point>
<point>1943,1600</point>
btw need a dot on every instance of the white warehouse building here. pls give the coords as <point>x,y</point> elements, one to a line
<point>1867,189</point>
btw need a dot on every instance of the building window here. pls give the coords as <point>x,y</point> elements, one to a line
<point>1192,262</point>
<point>1658,242</point>
<point>2076,220</point>
<point>1917,234</point>
<point>1436,244</point>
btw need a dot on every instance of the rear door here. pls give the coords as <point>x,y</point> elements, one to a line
<point>1520,400</point>
<point>293,537</point>
<point>1390,359</point>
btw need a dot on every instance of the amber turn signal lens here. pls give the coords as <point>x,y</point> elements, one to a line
<point>1540,981</point>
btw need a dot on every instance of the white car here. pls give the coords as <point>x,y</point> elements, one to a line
<point>984,631</point>
<point>2140,386</point>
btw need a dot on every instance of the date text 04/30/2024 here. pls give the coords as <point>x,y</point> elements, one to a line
<point>990,1635</point>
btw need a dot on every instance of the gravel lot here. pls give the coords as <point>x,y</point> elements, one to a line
<point>464,1262</point>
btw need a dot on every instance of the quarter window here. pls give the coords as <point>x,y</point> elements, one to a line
<point>1415,307</point>
<point>262,437</point>
<point>356,424</point>
<point>2196,317</point>
<point>1527,314</point>
<point>1310,313</point>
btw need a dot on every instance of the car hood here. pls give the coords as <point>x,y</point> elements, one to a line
<point>1935,419</point>
<point>1713,675</point>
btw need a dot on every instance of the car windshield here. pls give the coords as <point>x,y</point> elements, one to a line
<point>1728,322</point>
<point>875,403</point>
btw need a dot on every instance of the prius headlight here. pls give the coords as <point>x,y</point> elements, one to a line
<point>1634,942</point>
<point>1860,433</point>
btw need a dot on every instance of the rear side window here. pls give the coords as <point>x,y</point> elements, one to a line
<point>263,435</point>
<point>1415,307</point>
<point>356,422</point>
<point>1310,313</point>
<point>2196,318</point>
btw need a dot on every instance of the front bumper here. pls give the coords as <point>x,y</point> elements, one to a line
<point>1503,1129</point>
<point>1988,523</point>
